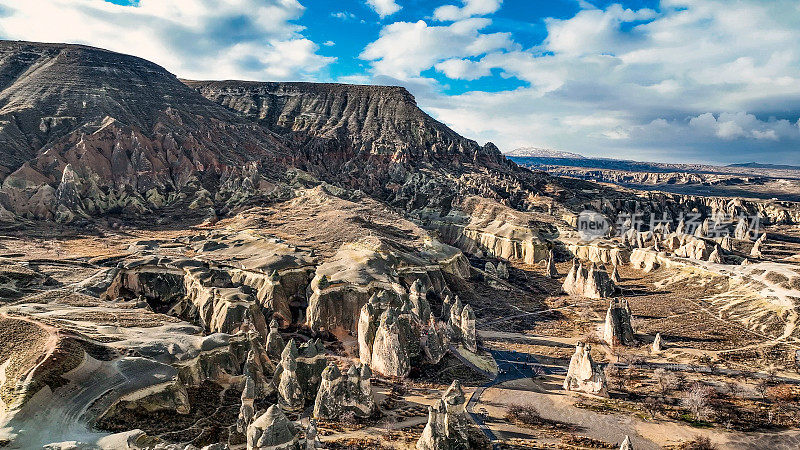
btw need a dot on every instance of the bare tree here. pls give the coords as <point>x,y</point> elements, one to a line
<point>666,380</point>
<point>652,406</point>
<point>698,400</point>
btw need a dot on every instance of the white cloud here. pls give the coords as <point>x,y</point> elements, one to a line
<point>656,74</point>
<point>404,49</point>
<point>191,38</point>
<point>462,69</point>
<point>384,7</point>
<point>471,8</point>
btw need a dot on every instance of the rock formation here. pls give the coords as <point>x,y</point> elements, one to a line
<point>617,329</point>
<point>290,392</point>
<point>272,431</point>
<point>583,375</point>
<point>615,275</point>
<point>345,394</point>
<point>755,252</point>
<point>591,283</point>
<point>502,270</point>
<point>447,427</point>
<point>389,351</point>
<point>626,444</point>
<point>715,257</point>
<point>657,346</point>
<point>275,343</point>
<point>550,268</point>
<point>468,331</point>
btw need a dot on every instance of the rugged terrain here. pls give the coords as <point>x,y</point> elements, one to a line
<point>231,264</point>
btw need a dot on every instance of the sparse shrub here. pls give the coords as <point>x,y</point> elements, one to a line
<point>667,381</point>
<point>698,443</point>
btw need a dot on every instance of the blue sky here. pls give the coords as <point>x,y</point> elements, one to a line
<point>670,80</point>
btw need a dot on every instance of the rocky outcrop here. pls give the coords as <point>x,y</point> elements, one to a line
<point>467,329</point>
<point>344,283</point>
<point>447,427</point>
<point>350,393</point>
<point>390,353</point>
<point>626,444</point>
<point>657,345</point>
<point>119,133</point>
<point>272,431</point>
<point>274,344</point>
<point>550,269</point>
<point>617,329</point>
<point>593,282</point>
<point>481,226</point>
<point>290,392</point>
<point>583,375</point>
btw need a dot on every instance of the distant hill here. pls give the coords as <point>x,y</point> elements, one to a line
<point>756,165</point>
<point>536,152</point>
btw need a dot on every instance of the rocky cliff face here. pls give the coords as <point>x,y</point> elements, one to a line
<point>85,131</point>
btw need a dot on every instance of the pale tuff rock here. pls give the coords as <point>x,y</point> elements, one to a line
<point>502,270</point>
<point>693,247</point>
<point>615,275</point>
<point>591,283</point>
<point>247,410</point>
<point>290,394</point>
<point>468,332</point>
<point>447,427</point>
<point>312,441</point>
<point>583,375</point>
<point>310,365</point>
<point>742,230</point>
<point>617,329</point>
<point>341,394</point>
<point>389,353</point>
<point>454,322</point>
<point>418,296</point>
<point>626,444</point>
<point>272,431</point>
<point>657,346</point>
<point>681,228</point>
<point>490,269</point>
<point>745,262</point>
<point>275,343</point>
<point>755,252</point>
<point>550,269</point>
<point>715,257</point>
<point>726,243</point>
<point>367,327</point>
<point>258,366</point>
<point>433,344</point>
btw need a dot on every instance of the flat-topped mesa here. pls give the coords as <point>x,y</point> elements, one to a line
<point>593,282</point>
<point>447,427</point>
<point>351,122</point>
<point>617,329</point>
<point>350,393</point>
<point>583,375</point>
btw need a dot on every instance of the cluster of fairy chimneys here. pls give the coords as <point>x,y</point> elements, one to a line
<point>707,242</point>
<point>590,280</point>
<point>391,336</point>
<point>302,376</point>
<point>447,427</point>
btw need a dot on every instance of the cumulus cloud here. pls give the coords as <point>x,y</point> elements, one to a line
<point>404,49</point>
<point>693,80</point>
<point>470,8</point>
<point>384,7</point>
<point>192,38</point>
